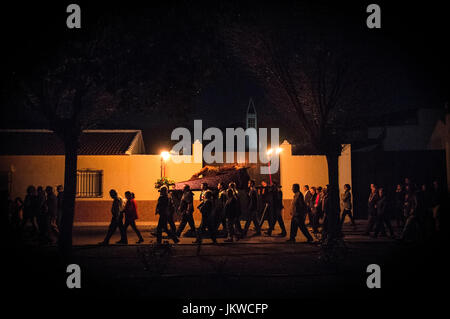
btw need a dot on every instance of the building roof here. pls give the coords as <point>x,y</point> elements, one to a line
<point>92,142</point>
<point>251,107</point>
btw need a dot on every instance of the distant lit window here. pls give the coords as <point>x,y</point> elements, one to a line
<point>89,183</point>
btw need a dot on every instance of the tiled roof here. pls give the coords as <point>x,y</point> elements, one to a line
<point>43,142</point>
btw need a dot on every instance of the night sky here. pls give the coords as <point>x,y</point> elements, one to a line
<point>409,55</point>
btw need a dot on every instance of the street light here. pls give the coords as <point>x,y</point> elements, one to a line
<point>269,154</point>
<point>164,158</point>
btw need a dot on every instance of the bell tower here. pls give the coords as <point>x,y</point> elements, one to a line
<point>251,122</point>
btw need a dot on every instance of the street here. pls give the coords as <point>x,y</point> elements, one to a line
<point>257,267</point>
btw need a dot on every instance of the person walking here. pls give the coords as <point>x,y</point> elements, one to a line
<point>16,207</point>
<point>52,211</point>
<point>237,221</point>
<point>163,210</point>
<point>298,213</point>
<point>187,211</point>
<point>207,225</point>
<point>277,210</point>
<point>409,210</point>
<point>252,209</point>
<point>331,227</point>
<point>219,209</point>
<point>131,215</point>
<point>398,205</point>
<point>371,209</point>
<point>42,216</point>
<point>267,206</point>
<point>231,213</point>
<point>382,214</point>
<point>116,220</point>
<point>30,208</point>
<point>346,199</point>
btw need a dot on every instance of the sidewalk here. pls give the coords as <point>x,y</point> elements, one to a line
<point>92,235</point>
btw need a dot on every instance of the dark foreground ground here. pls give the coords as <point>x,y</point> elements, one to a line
<point>256,268</point>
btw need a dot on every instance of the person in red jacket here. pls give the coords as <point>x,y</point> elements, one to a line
<point>131,215</point>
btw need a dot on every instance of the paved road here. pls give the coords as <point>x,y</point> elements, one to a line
<point>92,235</point>
<point>255,267</point>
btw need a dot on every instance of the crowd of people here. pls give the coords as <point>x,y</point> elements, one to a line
<point>222,210</point>
<point>121,210</point>
<point>416,210</point>
<point>42,208</point>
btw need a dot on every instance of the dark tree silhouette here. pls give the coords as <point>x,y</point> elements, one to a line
<point>121,67</point>
<point>309,79</point>
<point>73,91</point>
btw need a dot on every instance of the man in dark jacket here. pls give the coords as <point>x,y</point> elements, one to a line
<point>382,215</point>
<point>410,212</point>
<point>298,213</point>
<point>277,210</point>
<point>42,215</point>
<point>219,209</point>
<point>206,209</point>
<point>346,199</point>
<point>30,208</point>
<point>237,226</point>
<point>231,214</point>
<point>252,209</point>
<point>267,206</point>
<point>116,219</point>
<point>51,203</point>
<point>372,209</point>
<point>187,210</point>
<point>398,205</point>
<point>163,210</point>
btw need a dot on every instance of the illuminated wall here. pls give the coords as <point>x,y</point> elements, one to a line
<point>311,170</point>
<point>137,173</point>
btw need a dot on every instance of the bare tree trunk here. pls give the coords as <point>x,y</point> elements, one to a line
<point>333,193</point>
<point>70,181</point>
